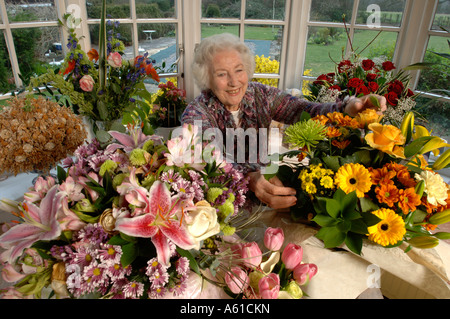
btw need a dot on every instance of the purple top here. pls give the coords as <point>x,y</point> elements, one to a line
<point>261,104</point>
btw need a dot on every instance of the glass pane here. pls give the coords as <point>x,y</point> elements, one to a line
<point>265,42</point>
<point>37,49</point>
<point>120,31</point>
<point>437,114</point>
<point>114,9</point>
<point>266,9</point>
<point>442,17</point>
<point>159,41</point>
<point>376,13</point>
<point>324,46</point>
<point>221,8</point>
<point>369,45</point>
<point>6,75</point>
<point>437,76</point>
<point>150,9</point>
<point>31,10</point>
<point>209,29</point>
<point>331,10</point>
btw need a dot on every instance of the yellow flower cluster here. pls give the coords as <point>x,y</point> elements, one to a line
<point>317,180</point>
<point>266,65</point>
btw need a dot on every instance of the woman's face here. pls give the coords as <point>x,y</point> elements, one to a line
<point>229,79</point>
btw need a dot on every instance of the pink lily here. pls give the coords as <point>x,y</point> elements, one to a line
<point>135,194</point>
<point>160,223</point>
<point>128,142</point>
<point>40,223</point>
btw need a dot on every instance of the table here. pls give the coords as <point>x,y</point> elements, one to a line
<point>148,34</point>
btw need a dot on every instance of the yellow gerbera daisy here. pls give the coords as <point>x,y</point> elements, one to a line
<point>389,230</point>
<point>353,177</point>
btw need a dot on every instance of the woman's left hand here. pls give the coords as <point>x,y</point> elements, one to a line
<point>356,105</point>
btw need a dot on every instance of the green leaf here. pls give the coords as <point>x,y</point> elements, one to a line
<point>359,227</point>
<point>415,146</point>
<point>374,101</point>
<point>367,205</point>
<point>354,243</point>
<point>331,236</point>
<point>333,207</point>
<point>129,254</point>
<point>324,220</point>
<point>370,219</point>
<point>61,174</point>
<point>332,162</point>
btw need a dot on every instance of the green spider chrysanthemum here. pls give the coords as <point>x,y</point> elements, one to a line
<point>306,133</point>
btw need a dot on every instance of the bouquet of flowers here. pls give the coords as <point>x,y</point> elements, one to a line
<point>368,180</point>
<point>357,76</point>
<point>100,85</point>
<point>133,219</point>
<point>35,134</point>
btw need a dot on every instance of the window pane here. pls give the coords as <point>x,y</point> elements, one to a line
<point>120,31</point>
<point>114,10</point>
<point>437,77</point>
<point>442,17</point>
<point>6,75</point>
<point>324,46</point>
<point>372,45</point>
<point>30,10</point>
<point>390,12</point>
<point>209,29</point>
<point>160,45</point>
<point>150,9</point>
<point>331,10</point>
<point>265,42</point>
<point>221,8</point>
<point>33,46</point>
<point>266,9</point>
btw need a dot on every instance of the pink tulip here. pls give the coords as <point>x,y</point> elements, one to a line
<point>87,83</point>
<point>273,238</point>
<point>292,255</point>
<point>251,254</point>
<point>269,286</point>
<point>237,280</point>
<point>115,59</point>
<point>304,272</point>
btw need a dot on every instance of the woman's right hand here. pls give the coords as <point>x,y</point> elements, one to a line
<point>272,192</point>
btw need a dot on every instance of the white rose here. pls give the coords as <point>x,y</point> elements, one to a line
<point>201,222</point>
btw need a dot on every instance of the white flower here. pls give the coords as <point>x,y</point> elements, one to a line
<point>201,222</point>
<point>435,187</point>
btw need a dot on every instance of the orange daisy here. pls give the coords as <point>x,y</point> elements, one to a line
<point>388,194</point>
<point>381,175</point>
<point>408,200</point>
<point>333,132</point>
<point>340,144</point>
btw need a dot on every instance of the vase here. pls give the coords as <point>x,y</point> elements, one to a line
<point>99,129</point>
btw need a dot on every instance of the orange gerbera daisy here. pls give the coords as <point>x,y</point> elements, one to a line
<point>388,194</point>
<point>408,200</point>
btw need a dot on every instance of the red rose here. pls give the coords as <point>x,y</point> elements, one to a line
<point>410,93</point>
<point>396,86</point>
<point>344,66</point>
<point>367,64</point>
<point>388,66</point>
<point>335,87</point>
<point>321,79</point>
<point>362,89</point>
<point>392,98</point>
<point>355,82</point>
<point>373,86</point>
<point>371,76</point>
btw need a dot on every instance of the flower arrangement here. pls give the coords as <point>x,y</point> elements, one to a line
<point>357,76</point>
<point>35,134</point>
<point>368,180</point>
<point>136,219</point>
<point>100,85</point>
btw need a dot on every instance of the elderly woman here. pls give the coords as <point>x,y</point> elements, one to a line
<point>223,67</point>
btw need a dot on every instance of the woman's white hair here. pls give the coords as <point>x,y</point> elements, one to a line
<point>205,51</point>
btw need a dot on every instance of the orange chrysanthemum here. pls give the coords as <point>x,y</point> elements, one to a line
<point>340,144</point>
<point>408,200</point>
<point>388,194</point>
<point>333,132</point>
<point>381,174</point>
<point>322,119</point>
<point>405,178</point>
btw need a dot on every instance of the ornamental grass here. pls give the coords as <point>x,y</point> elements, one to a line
<point>36,133</point>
